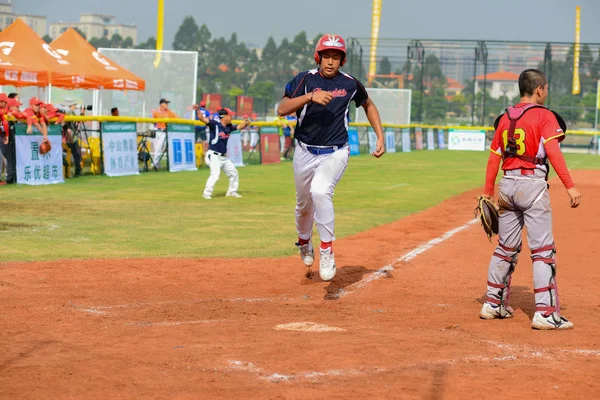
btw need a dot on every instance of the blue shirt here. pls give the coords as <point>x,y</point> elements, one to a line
<point>219,135</point>
<point>325,125</point>
<point>206,114</point>
<point>287,130</point>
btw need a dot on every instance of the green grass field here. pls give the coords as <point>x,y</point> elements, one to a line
<point>161,214</point>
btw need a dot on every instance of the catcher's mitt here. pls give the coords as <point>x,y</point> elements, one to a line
<point>45,147</point>
<point>488,214</point>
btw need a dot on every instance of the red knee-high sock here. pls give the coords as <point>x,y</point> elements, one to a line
<point>327,245</point>
<point>303,241</point>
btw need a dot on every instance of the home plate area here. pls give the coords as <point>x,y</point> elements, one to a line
<point>400,320</point>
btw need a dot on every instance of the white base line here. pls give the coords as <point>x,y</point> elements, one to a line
<point>382,272</point>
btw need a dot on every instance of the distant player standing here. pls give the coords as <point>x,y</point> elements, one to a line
<point>201,130</point>
<point>321,98</point>
<point>219,129</point>
<point>526,137</point>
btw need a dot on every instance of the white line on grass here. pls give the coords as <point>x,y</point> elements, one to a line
<point>383,272</point>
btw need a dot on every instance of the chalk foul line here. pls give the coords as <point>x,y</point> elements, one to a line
<point>383,272</point>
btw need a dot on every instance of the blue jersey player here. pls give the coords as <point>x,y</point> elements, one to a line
<point>321,98</point>
<point>219,129</point>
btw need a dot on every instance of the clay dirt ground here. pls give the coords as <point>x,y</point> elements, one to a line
<point>208,328</point>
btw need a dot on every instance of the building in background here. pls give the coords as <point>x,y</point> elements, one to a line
<point>498,84</point>
<point>36,22</point>
<point>96,26</point>
<point>454,87</point>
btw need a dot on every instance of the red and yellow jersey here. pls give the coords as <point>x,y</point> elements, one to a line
<point>533,130</point>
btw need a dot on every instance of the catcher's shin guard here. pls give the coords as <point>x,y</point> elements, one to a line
<point>546,255</point>
<point>502,296</point>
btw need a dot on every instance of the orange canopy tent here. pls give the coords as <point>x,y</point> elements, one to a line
<point>23,45</point>
<point>15,73</point>
<point>114,77</point>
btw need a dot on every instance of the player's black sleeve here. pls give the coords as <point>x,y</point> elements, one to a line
<point>294,87</point>
<point>361,96</point>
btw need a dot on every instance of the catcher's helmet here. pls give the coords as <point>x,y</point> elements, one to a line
<point>330,42</point>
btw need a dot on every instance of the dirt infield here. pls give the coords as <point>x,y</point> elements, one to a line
<point>257,328</point>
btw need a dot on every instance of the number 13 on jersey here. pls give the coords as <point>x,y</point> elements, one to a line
<point>519,139</point>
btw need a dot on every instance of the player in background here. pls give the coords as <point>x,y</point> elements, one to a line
<point>219,129</point>
<point>527,137</point>
<point>159,143</point>
<point>321,98</point>
<point>288,134</point>
<point>201,130</point>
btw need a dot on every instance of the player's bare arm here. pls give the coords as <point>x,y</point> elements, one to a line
<point>375,121</point>
<point>203,119</point>
<point>243,125</point>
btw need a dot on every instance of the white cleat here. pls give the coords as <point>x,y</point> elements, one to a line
<point>307,253</point>
<point>489,311</point>
<point>233,194</point>
<point>206,196</point>
<point>326,264</point>
<point>551,322</point>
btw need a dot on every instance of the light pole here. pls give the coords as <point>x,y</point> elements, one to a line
<point>504,89</point>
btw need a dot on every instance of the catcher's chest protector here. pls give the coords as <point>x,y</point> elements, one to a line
<point>514,115</point>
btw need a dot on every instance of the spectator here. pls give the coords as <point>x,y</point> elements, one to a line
<point>114,112</point>
<point>14,96</point>
<point>254,133</point>
<point>71,135</point>
<point>13,108</point>
<point>9,151</point>
<point>35,117</point>
<point>5,140</point>
<point>161,130</point>
<point>245,134</point>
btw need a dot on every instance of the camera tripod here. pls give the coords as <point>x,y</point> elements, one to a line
<point>144,154</point>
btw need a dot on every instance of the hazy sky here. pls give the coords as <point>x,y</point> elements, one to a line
<point>255,20</point>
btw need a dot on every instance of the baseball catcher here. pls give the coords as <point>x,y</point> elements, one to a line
<point>526,141</point>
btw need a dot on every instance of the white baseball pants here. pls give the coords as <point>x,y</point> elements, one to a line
<point>216,162</point>
<point>159,146</point>
<point>316,177</point>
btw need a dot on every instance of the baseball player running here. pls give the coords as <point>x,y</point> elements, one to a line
<point>220,128</point>
<point>526,137</point>
<point>321,98</point>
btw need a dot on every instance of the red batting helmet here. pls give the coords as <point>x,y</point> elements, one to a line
<point>330,42</point>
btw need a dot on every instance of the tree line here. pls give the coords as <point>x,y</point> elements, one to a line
<point>231,68</point>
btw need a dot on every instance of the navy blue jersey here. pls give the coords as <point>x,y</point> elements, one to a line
<point>325,125</point>
<point>219,135</point>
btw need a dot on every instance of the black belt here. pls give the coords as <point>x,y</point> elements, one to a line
<point>217,153</point>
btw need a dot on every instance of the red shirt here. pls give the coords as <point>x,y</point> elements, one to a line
<point>32,116</point>
<point>533,130</point>
<point>18,114</point>
<point>52,112</point>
